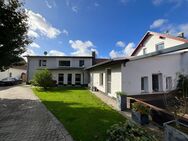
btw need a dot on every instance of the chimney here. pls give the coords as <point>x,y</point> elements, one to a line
<point>93,57</point>
<point>181,35</point>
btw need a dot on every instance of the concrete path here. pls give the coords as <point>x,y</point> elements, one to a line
<point>24,118</point>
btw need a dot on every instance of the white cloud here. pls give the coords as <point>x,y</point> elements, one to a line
<point>175,3</point>
<point>120,44</point>
<point>28,52</point>
<point>158,23</point>
<point>127,51</point>
<point>47,4</point>
<point>34,45</point>
<point>75,9</point>
<point>32,33</point>
<point>65,32</point>
<point>56,53</point>
<point>82,48</point>
<point>173,29</point>
<point>96,4</point>
<point>38,24</point>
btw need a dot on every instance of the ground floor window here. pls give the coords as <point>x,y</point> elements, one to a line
<point>77,79</point>
<point>144,84</point>
<point>69,79</point>
<point>168,83</point>
<point>60,79</point>
<point>101,79</point>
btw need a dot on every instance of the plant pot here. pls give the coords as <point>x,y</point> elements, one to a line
<point>122,102</point>
<point>140,118</point>
<point>172,133</point>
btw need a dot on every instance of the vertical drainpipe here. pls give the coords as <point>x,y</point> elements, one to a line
<point>28,61</point>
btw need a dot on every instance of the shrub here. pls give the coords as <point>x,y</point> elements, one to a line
<point>141,108</point>
<point>129,131</point>
<point>121,93</point>
<point>43,78</point>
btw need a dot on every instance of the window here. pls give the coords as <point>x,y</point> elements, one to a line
<point>159,46</point>
<point>144,51</point>
<point>77,79</point>
<point>64,63</point>
<point>168,83</point>
<point>144,84</point>
<point>69,79</point>
<point>81,63</point>
<point>60,79</point>
<point>10,74</point>
<point>42,63</point>
<point>101,79</point>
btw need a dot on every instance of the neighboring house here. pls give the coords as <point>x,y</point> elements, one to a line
<point>18,72</point>
<point>152,68</point>
<point>66,70</point>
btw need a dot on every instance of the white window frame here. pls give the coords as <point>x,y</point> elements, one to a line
<point>157,46</point>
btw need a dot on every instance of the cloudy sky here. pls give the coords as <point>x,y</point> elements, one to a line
<point>112,28</point>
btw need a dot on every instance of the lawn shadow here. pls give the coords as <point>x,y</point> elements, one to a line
<point>84,123</point>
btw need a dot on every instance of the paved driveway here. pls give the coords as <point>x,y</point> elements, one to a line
<point>24,118</point>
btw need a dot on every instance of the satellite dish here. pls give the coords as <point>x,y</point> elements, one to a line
<point>45,53</point>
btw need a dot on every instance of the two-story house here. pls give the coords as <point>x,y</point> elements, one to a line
<point>66,70</point>
<point>152,67</point>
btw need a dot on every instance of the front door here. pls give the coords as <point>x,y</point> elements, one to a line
<point>157,82</point>
<point>69,81</point>
<point>60,79</point>
<point>108,81</point>
<point>78,79</point>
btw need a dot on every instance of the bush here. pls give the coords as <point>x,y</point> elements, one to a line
<point>129,131</point>
<point>43,78</point>
<point>141,108</point>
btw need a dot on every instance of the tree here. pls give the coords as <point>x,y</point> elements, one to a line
<point>13,32</point>
<point>43,78</point>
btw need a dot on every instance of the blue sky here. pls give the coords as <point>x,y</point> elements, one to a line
<point>112,28</point>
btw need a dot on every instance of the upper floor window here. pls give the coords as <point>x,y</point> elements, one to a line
<point>81,63</point>
<point>159,46</point>
<point>64,63</point>
<point>42,63</point>
<point>144,51</point>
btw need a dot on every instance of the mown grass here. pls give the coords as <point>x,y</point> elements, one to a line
<point>84,115</point>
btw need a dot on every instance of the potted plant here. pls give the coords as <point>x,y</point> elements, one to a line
<point>121,101</point>
<point>177,104</point>
<point>140,113</point>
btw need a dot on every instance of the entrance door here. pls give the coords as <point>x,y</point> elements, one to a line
<point>157,82</point>
<point>69,80</point>
<point>108,81</point>
<point>60,79</point>
<point>78,79</point>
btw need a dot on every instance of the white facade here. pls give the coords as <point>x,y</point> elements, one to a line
<point>12,72</point>
<point>52,63</point>
<point>145,74</point>
<point>153,40</point>
<point>116,77</point>
<point>164,65</point>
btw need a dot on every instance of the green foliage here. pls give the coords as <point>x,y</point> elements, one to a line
<point>129,131</point>
<point>43,78</point>
<point>182,84</point>
<point>121,93</point>
<point>139,107</point>
<point>13,32</point>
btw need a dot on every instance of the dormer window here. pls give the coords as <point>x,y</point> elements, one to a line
<point>159,46</point>
<point>42,63</point>
<point>144,51</point>
<point>63,63</point>
<point>81,63</point>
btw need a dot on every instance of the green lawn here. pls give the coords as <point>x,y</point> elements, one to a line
<point>84,115</point>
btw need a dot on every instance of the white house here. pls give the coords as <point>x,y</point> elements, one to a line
<point>66,70</point>
<point>18,72</point>
<point>152,67</point>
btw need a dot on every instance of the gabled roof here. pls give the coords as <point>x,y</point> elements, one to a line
<point>43,56</point>
<point>161,35</point>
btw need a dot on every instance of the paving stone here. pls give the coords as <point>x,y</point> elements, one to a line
<point>24,118</point>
